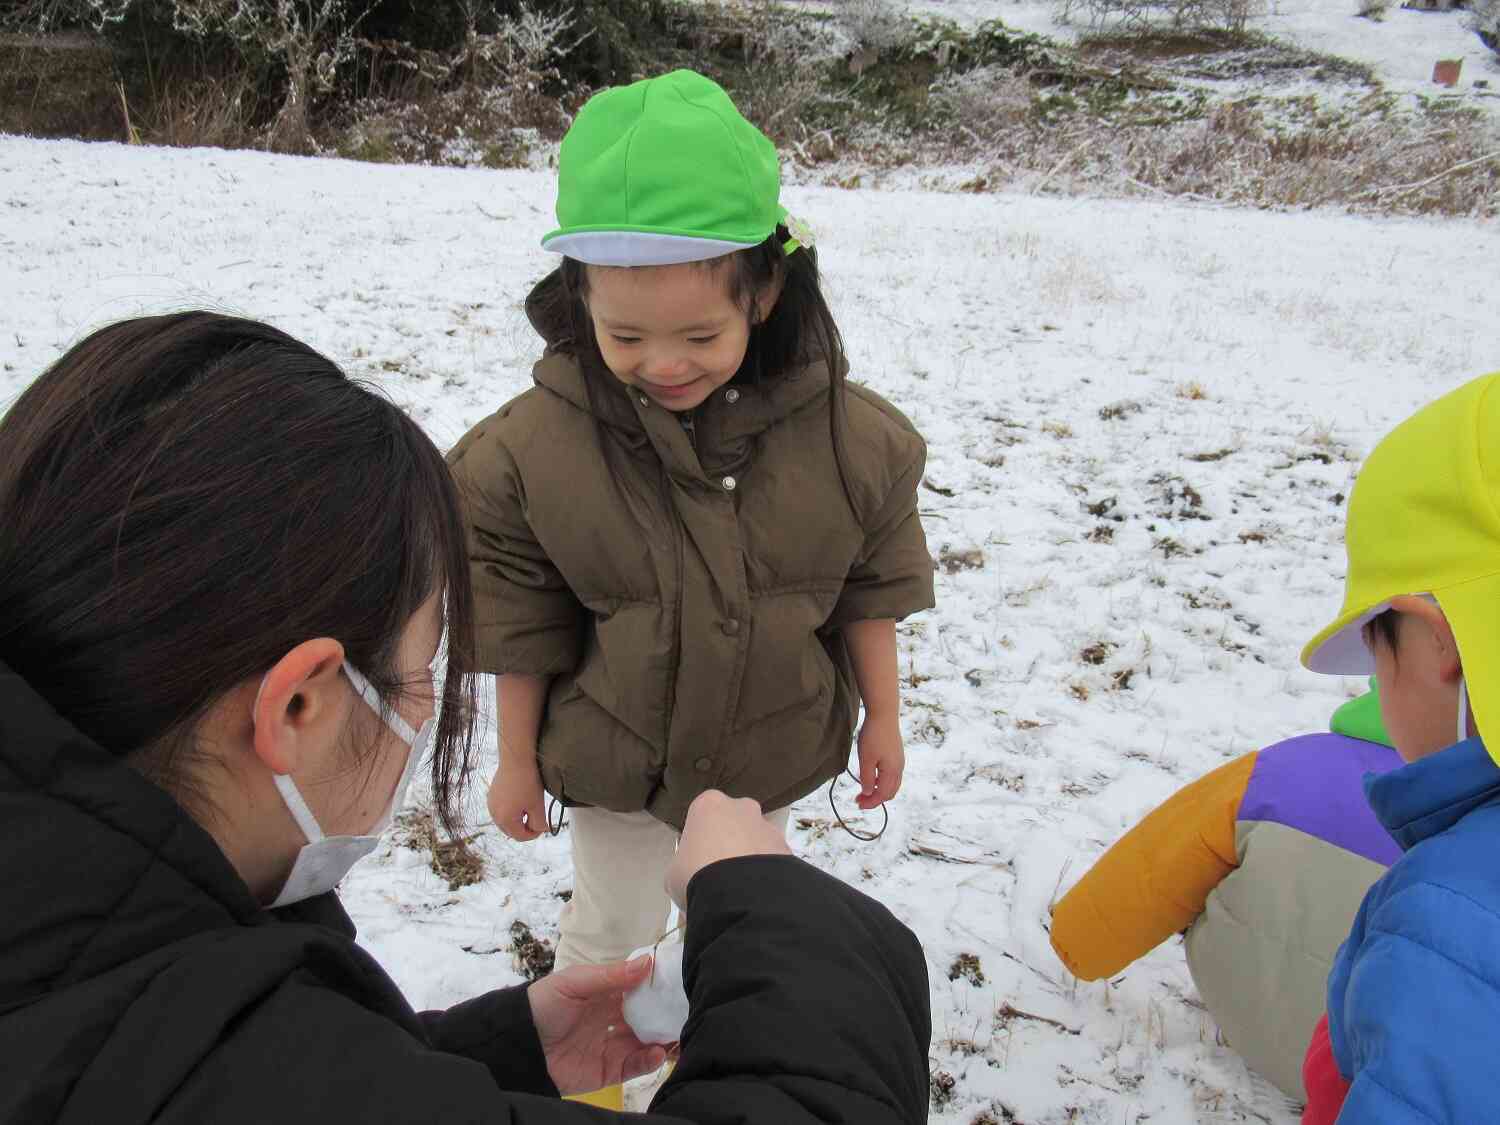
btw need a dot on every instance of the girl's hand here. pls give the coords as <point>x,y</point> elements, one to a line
<point>579,1020</point>
<point>882,760</point>
<point>720,827</point>
<point>518,803</point>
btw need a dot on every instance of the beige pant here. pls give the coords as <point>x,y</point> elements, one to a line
<point>619,901</point>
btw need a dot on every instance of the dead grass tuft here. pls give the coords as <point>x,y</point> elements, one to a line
<point>942,1087</point>
<point>453,860</point>
<point>534,956</point>
<point>966,967</point>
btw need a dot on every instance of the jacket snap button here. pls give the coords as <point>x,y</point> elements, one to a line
<point>645,401</point>
<point>729,484</point>
<point>703,765</point>
<point>731,627</point>
<point>731,396</point>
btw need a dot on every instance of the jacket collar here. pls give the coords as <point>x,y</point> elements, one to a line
<point>758,406</point>
<point>1432,794</point>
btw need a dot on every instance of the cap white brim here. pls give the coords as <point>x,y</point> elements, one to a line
<point>1345,653</point>
<point>637,248</point>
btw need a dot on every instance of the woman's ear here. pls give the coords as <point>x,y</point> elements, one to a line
<point>301,706</point>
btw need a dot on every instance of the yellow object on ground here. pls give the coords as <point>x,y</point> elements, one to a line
<point>611,1097</point>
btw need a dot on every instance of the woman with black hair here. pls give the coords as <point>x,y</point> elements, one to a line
<point>235,615</point>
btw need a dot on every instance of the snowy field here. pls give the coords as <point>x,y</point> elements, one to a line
<point>1400,49</point>
<point>1143,420</point>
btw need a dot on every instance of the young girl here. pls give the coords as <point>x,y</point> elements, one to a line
<point>1413,996</point>
<point>692,540</point>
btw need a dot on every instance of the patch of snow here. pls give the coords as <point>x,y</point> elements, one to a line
<point>1143,418</point>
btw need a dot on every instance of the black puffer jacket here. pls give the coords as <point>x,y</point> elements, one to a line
<point>140,982</point>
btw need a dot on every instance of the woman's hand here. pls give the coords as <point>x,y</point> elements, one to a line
<point>719,827</point>
<point>518,803</point>
<point>582,1028</point>
<point>882,760</point>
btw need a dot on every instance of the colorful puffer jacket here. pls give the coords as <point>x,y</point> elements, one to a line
<point>1414,995</point>
<point>1263,862</point>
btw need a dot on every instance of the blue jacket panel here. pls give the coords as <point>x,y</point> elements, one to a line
<point>1414,994</point>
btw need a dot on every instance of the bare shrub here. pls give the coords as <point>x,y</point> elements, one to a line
<point>308,39</point>
<point>1484,20</point>
<point>43,16</point>
<point>876,24</point>
<point>1372,9</point>
<point>1143,15</point>
<point>484,104</point>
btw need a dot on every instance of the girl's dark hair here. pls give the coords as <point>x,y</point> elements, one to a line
<point>184,499</point>
<point>799,329</point>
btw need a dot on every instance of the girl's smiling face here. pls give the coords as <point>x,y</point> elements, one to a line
<point>672,332</point>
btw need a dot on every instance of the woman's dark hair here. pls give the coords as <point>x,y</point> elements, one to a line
<point>184,499</point>
<point>799,329</point>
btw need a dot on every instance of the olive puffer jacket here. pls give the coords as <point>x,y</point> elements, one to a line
<point>684,577</point>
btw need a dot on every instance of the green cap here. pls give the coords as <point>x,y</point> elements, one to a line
<point>1360,718</point>
<point>662,171</point>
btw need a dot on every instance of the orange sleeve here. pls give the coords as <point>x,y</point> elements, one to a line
<point>1154,882</point>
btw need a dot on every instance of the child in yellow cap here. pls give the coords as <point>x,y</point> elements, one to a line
<point>1414,994</point>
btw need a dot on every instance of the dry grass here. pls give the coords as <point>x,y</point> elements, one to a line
<point>453,860</point>
<point>1251,151</point>
<point>1150,112</point>
<point>534,956</point>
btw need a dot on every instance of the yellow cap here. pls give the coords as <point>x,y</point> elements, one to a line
<point>1423,519</point>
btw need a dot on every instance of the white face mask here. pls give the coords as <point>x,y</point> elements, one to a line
<point>325,860</point>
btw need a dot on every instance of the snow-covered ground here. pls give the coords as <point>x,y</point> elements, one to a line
<point>1401,48</point>
<point>1207,379</point>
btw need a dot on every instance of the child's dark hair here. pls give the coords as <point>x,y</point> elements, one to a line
<point>183,499</point>
<point>799,330</point>
<point>1382,628</point>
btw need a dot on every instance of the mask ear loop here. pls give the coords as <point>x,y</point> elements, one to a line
<point>863,837</point>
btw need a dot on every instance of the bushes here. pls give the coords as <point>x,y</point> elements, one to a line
<point>1484,18</point>
<point>1141,15</point>
<point>286,74</point>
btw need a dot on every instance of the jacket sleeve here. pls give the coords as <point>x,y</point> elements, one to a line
<point>497,1031</point>
<point>527,620</point>
<point>893,575</point>
<point>809,1006</point>
<point>1419,1012</point>
<point>1155,880</point>
<point>809,1003</point>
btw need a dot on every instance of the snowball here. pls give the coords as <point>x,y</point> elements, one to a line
<point>658,1008</point>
